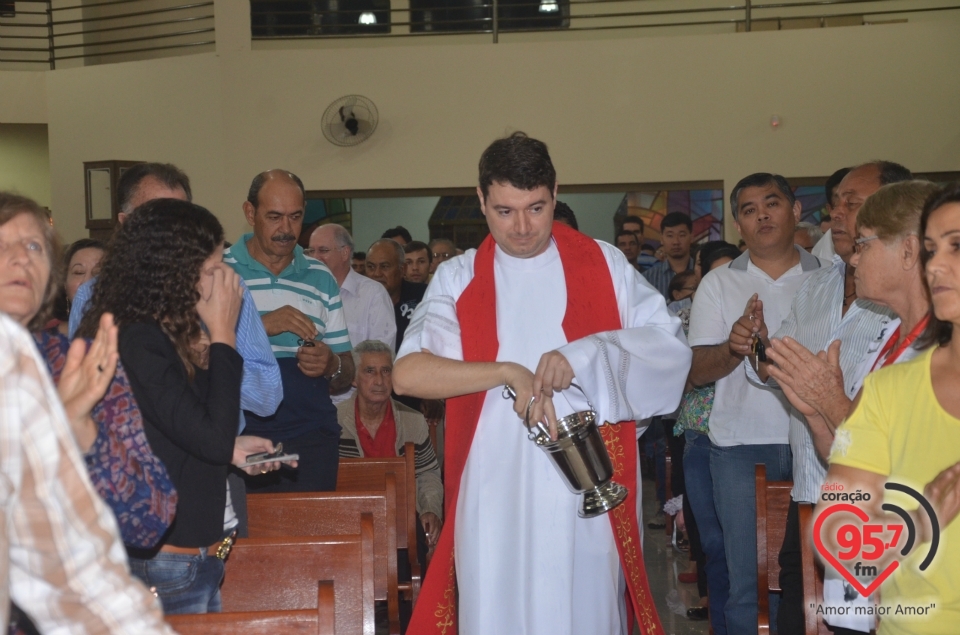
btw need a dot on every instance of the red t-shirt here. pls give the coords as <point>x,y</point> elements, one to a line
<point>385,443</point>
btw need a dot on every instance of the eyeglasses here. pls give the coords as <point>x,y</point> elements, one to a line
<point>33,247</point>
<point>859,242</point>
<point>316,251</point>
<point>443,254</point>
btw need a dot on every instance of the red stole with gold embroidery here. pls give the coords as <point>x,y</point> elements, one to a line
<point>591,308</point>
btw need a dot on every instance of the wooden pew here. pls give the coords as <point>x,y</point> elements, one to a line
<point>303,622</point>
<point>812,574</point>
<point>370,474</point>
<point>335,513</point>
<point>773,502</point>
<point>271,574</point>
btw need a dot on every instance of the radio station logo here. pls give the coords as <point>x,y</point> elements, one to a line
<point>862,544</point>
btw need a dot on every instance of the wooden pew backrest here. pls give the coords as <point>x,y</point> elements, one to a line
<point>334,513</point>
<point>773,502</point>
<point>370,474</point>
<point>267,574</point>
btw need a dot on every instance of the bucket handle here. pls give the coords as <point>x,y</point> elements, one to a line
<point>510,393</point>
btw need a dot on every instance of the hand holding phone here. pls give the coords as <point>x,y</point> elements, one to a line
<point>269,457</point>
<point>256,455</point>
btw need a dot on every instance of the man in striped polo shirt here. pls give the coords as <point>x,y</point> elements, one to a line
<point>299,302</point>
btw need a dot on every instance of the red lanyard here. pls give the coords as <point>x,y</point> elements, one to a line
<point>888,356</point>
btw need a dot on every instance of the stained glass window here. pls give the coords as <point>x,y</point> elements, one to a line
<point>704,207</point>
<point>813,202</point>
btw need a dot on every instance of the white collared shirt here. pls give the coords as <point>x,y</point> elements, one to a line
<point>369,313</point>
<point>815,320</point>
<point>744,413</point>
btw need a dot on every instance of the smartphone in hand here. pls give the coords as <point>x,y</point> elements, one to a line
<point>270,457</point>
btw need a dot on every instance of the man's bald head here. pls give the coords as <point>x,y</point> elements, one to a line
<point>389,247</point>
<point>332,245</point>
<point>385,265</point>
<point>858,185</point>
<point>253,195</point>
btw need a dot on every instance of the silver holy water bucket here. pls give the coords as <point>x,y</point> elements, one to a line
<point>580,456</point>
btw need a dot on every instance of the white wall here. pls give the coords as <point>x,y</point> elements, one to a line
<point>372,216</point>
<point>23,97</point>
<point>594,212</point>
<point>25,161</point>
<point>625,110</point>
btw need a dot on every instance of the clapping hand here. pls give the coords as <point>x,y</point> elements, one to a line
<point>810,382</point>
<point>86,375</point>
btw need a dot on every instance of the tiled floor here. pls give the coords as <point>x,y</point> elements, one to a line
<point>663,565</point>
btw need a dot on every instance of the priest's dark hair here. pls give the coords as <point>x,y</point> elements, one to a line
<point>517,160</point>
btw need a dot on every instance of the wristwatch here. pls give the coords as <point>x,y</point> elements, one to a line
<point>334,376</point>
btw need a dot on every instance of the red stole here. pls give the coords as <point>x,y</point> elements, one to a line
<point>591,308</point>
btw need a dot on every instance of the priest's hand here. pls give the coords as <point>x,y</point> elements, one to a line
<point>540,405</point>
<point>553,373</point>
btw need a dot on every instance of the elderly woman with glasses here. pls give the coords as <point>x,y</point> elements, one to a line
<point>30,279</point>
<point>889,273</point>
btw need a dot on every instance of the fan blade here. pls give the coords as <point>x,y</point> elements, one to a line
<point>366,128</point>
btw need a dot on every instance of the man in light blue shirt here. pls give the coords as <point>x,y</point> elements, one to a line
<point>261,392</point>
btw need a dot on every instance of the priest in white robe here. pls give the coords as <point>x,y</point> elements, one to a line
<point>548,306</point>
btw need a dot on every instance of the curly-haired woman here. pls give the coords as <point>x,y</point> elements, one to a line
<point>162,276</point>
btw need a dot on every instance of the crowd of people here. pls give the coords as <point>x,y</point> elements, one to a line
<point>160,362</point>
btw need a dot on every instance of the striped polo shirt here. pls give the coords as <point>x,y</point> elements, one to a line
<point>306,284</point>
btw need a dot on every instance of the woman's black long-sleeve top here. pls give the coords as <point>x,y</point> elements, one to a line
<point>191,425</point>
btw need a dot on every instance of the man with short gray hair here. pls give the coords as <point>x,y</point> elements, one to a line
<point>374,425</point>
<point>366,304</point>
<point>385,264</point>
<point>806,235</point>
